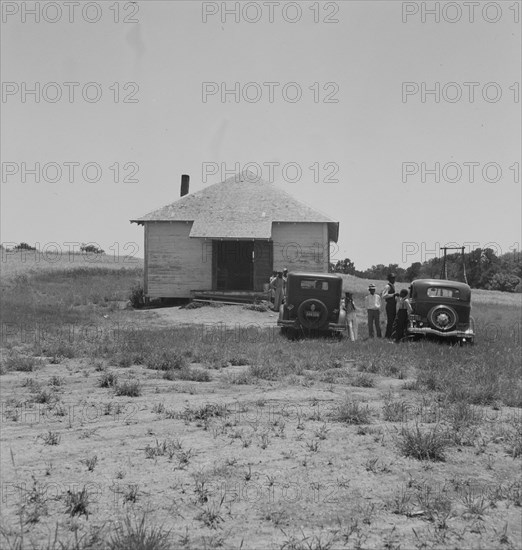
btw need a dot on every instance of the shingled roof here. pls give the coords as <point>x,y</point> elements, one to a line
<point>241,207</point>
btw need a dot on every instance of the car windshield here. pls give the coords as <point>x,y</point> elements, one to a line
<point>313,284</point>
<point>443,292</point>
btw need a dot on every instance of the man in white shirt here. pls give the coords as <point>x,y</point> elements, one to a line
<point>372,302</point>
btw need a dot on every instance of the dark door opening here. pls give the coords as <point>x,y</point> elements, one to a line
<point>233,265</point>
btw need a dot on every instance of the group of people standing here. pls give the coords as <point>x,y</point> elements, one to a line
<point>397,307</point>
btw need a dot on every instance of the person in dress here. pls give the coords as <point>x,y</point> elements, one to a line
<point>351,316</point>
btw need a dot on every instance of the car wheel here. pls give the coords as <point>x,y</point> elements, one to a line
<point>442,318</point>
<point>312,314</point>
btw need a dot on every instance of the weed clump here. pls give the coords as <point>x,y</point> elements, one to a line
<point>108,380</point>
<point>351,412</point>
<point>137,296</point>
<point>427,445</point>
<point>137,535</point>
<point>166,360</point>
<point>128,388</point>
<point>20,363</point>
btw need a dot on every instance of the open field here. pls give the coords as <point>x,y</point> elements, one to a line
<point>167,427</point>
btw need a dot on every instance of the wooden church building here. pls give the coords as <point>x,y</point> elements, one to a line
<point>229,237</point>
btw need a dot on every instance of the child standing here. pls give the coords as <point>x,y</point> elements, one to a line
<point>351,316</point>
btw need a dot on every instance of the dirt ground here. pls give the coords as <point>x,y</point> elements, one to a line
<point>228,315</point>
<point>248,464</point>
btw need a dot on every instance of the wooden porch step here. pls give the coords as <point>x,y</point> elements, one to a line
<point>230,297</point>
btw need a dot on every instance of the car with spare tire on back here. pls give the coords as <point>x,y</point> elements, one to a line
<point>441,309</point>
<point>313,304</point>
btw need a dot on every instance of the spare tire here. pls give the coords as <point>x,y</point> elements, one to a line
<point>442,318</point>
<point>312,313</point>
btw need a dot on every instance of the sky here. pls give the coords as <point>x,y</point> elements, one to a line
<point>399,120</point>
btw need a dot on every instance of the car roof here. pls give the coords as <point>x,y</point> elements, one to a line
<point>440,283</point>
<point>314,275</point>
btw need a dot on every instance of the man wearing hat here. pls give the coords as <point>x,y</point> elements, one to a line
<point>372,302</point>
<point>389,296</point>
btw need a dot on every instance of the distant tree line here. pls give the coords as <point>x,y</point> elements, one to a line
<point>483,270</point>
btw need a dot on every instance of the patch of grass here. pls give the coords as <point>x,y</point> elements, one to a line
<point>131,493</point>
<point>400,503</point>
<point>322,432</point>
<point>423,445</point>
<point>158,408</point>
<point>210,515</point>
<point>352,412</point>
<point>34,504</point>
<point>435,503</point>
<point>237,360</point>
<point>20,363</point>
<point>187,373</point>
<point>77,503</point>
<point>363,380</point>
<point>51,438</point>
<point>265,371</point>
<point>44,397</point>
<point>474,504</point>
<point>204,412</point>
<point>137,534</point>
<point>166,359</point>
<point>90,462</point>
<point>128,388</point>
<point>395,411</point>
<point>108,380</point>
<point>56,381</point>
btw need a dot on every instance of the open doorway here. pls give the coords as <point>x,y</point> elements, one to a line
<point>233,265</point>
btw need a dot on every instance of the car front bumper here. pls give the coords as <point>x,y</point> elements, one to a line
<point>460,334</point>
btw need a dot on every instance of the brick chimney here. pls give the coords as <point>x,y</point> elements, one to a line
<point>185,180</point>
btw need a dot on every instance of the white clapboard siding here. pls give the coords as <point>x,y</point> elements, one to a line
<point>176,263</point>
<point>300,246</point>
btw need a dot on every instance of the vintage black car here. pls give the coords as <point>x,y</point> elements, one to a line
<point>313,303</point>
<point>442,309</point>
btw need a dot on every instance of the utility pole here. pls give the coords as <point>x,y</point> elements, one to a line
<point>444,270</point>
